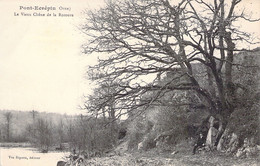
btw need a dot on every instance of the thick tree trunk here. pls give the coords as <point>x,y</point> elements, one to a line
<point>230,90</point>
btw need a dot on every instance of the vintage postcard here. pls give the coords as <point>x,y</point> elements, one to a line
<point>129,82</point>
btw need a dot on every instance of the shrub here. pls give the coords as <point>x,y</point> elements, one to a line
<point>173,120</point>
<point>136,130</point>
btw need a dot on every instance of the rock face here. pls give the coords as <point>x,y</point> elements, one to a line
<point>140,146</point>
<point>229,143</point>
<point>243,124</point>
<point>249,149</point>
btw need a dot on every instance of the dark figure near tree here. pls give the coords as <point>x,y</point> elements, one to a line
<point>199,143</point>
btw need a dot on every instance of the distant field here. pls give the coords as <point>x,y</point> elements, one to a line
<point>15,144</point>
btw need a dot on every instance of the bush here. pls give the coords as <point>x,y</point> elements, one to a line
<point>136,130</point>
<point>148,141</point>
<point>173,120</point>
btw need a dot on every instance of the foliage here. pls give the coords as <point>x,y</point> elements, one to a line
<point>43,134</point>
<point>136,131</point>
<point>90,134</point>
<point>8,123</point>
<point>174,120</point>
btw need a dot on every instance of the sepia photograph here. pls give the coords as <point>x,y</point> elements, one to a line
<point>130,83</point>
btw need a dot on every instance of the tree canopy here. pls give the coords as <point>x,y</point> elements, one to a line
<point>138,39</point>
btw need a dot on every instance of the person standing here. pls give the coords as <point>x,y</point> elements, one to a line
<point>199,143</point>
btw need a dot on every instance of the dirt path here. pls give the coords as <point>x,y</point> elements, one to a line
<point>153,159</point>
<point>183,157</point>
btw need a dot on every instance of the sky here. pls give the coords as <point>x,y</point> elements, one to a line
<point>41,64</point>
